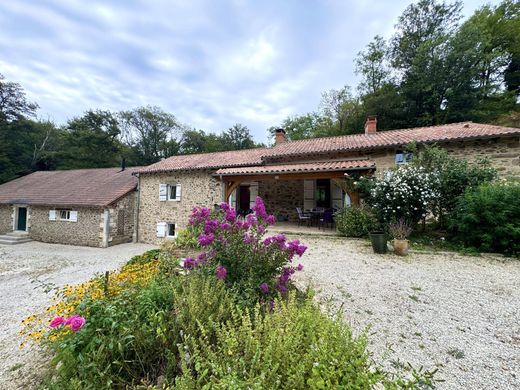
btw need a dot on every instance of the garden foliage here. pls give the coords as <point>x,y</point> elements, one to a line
<point>227,319</point>
<point>488,218</point>
<point>355,221</point>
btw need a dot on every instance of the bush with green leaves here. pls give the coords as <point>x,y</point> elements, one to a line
<point>488,218</point>
<point>355,221</point>
<point>456,175</point>
<point>405,192</point>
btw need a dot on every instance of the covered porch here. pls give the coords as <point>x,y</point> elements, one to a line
<point>289,188</point>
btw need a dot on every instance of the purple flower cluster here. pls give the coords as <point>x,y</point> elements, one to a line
<point>234,243</point>
<point>191,263</point>
<point>199,214</point>
<point>206,239</point>
<point>221,272</point>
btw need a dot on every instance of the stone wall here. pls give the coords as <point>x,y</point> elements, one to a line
<point>281,197</point>
<point>199,188</point>
<point>86,231</point>
<point>6,219</point>
<point>122,220</point>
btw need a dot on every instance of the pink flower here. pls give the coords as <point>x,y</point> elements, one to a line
<point>57,322</point>
<point>221,272</point>
<point>300,267</point>
<point>76,322</point>
<point>271,219</point>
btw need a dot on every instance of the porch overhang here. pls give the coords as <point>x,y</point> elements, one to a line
<point>233,177</point>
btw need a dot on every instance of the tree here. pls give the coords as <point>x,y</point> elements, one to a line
<point>419,50</point>
<point>302,126</point>
<point>372,65</point>
<point>90,141</point>
<point>13,102</point>
<point>237,137</point>
<point>150,130</point>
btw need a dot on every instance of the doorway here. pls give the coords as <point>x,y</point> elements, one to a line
<point>323,193</point>
<point>243,200</point>
<point>21,219</point>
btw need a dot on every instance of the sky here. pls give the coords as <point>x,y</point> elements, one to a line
<point>211,63</point>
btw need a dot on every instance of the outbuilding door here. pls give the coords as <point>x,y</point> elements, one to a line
<point>21,220</point>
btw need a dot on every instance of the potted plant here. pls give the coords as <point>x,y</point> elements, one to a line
<point>400,231</point>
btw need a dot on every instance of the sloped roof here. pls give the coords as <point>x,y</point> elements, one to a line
<point>79,187</point>
<point>320,166</point>
<point>355,142</point>
<point>381,139</point>
<point>232,158</point>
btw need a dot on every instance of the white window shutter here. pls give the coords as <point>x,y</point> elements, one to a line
<point>337,196</point>
<point>161,229</point>
<point>52,215</point>
<point>178,192</point>
<point>163,192</point>
<point>308,194</point>
<point>74,216</point>
<point>348,202</point>
<point>253,193</point>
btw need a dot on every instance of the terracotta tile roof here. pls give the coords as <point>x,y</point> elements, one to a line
<point>382,139</point>
<point>346,143</point>
<point>80,187</point>
<point>321,166</point>
<point>233,158</point>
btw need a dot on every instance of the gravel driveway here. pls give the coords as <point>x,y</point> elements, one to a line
<point>25,271</point>
<point>456,313</point>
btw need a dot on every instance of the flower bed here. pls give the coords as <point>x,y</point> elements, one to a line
<point>228,318</point>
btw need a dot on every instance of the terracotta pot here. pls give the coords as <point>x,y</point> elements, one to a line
<point>401,247</point>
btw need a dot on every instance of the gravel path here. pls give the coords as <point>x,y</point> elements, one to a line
<point>25,271</point>
<point>438,310</point>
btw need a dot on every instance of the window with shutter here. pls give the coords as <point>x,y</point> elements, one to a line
<point>171,230</point>
<point>52,215</point>
<point>161,229</point>
<point>163,192</point>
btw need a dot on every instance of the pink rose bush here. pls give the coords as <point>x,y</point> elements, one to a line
<point>75,322</point>
<point>236,251</point>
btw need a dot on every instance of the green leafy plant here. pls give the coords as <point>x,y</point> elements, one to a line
<point>488,218</point>
<point>355,221</point>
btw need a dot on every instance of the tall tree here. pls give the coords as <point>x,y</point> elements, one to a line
<point>13,102</point>
<point>372,64</point>
<point>420,48</point>
<point>302,126</point>
<point>237,137</point>
<point>150,131</point>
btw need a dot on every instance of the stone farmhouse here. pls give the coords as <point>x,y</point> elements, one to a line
<point>91,207</point>
<point>300,173</point>
<point>102,207</point>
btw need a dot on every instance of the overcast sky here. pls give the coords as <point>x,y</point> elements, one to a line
<point>211,63</point>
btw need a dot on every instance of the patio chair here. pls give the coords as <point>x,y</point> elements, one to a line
<point>327,218</point>
<point>303,217</point>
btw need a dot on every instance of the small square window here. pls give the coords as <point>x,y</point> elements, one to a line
<point>171,230</point>
<point>403,157</point>
<point>64,215</point>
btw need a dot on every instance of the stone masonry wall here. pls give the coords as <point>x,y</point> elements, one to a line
<point>122,219</point>
<point>281,197</point>
<point>198,189</point>
<point>86,231</point>
<point>6,219</point>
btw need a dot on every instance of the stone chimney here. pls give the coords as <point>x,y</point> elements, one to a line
<point>279,137</point>
<point>371,124</point>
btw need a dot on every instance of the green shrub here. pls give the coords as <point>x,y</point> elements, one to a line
<point>355,221</point>
<point>456,175</point>
<point>488,218</point>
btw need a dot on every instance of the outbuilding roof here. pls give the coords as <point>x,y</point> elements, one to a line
<point>356,142</point>
<point>319,166</point>
<point>78,187</point>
